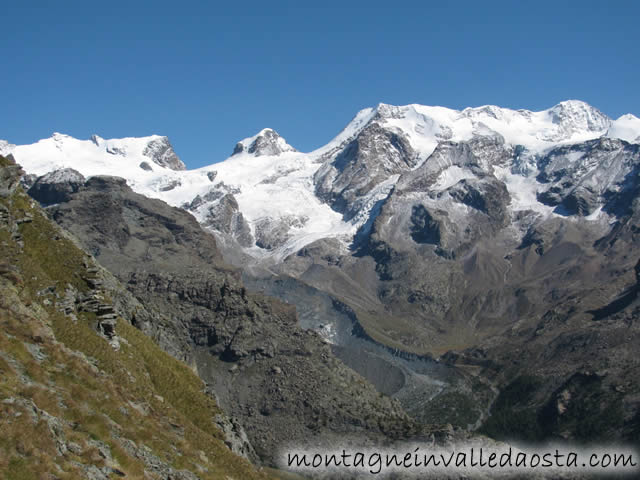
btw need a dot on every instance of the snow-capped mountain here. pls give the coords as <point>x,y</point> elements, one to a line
<point>265,142</point>
<point>275,200</point>
<point>97,155</point>
<point>506,241</point>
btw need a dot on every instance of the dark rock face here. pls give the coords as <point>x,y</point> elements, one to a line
<point>239,148</point>
<point>478,155</point>
<point>369,159</point>
<point>283,384</point>
<point>119,229</point>
<point>487,195</point>
<point>266,144</point>
<point>468,225</point>
<point>57,186</point>
<point>225,217</point>
<point>424,227</point>
<point>580,201</point>
<point>578,178</point>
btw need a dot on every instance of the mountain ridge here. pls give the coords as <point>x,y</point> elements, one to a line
<point>423,232</point>
<point>282,176</point>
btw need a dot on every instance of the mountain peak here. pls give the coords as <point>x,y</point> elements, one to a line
<point>266,142</point>
<point>160,150</point>
<point>573,103</point>
<point>627,128</point>
<point>386,111</point>
<point>629,117</point>
<point>578,115</point>
<point>57,136</point>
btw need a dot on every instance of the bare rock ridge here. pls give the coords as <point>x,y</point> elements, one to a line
<point>365,162</point>
<point>161,152</point>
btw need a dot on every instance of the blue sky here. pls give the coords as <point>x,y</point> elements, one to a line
<point>208,74</point>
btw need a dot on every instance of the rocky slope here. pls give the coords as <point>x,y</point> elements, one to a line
<point>281,383</point>
<point>502,241</point>
<point>84,394</point>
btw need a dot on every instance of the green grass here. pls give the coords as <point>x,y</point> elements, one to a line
<point>18,469</point>
<point>52,262</point>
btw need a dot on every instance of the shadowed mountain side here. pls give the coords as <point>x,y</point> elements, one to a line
<point>282,383</point>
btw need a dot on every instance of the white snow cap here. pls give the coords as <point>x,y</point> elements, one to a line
<point>266,142</point>
<point>567,122</point>
<point>273,183</point>
<point>626,128</point>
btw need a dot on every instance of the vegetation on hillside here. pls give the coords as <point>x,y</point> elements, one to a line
<point>72,406</point>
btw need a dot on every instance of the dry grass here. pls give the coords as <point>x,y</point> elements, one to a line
<point>139,393</point>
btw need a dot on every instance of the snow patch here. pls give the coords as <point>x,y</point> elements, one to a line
<point>450,176</point>
<point>523,191</point>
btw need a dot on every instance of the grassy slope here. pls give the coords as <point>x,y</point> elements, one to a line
<point>78,389</point>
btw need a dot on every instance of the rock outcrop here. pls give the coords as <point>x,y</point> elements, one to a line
<point>267,142</point>
<point>56,186</point>
<point>160,151</point>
